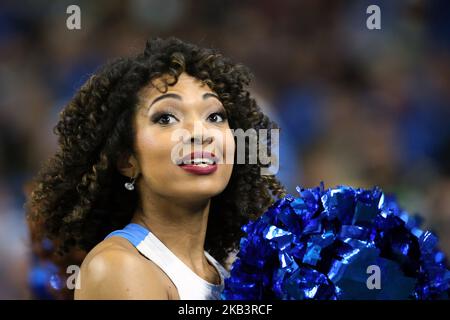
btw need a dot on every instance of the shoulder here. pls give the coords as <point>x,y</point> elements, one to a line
<point>115,270</point>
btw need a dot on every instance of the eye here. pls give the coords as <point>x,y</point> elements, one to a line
<point>164,118</point>
<point>217,117</point>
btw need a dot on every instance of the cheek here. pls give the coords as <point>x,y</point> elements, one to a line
<point>224,145</point>
<point>229,147</point>
<point>153,149</point>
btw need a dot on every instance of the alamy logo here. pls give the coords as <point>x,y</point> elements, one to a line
<point>262,146</point>
<point>73,21</point>
<point>374,280</point>
<point>73,281</point>
<point>374,20</point>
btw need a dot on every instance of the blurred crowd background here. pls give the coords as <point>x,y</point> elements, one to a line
<point>356,106</point>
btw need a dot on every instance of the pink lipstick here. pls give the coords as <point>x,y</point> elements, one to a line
<point>200,163</point>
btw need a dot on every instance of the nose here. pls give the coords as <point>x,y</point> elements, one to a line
<point>201,139</point>
<point>197,134</point>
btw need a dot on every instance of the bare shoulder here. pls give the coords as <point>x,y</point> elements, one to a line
<point>115,270</point>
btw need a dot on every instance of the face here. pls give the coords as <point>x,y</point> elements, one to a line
<point>184,146</point>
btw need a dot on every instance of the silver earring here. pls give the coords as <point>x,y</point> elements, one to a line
<point>130,185</point>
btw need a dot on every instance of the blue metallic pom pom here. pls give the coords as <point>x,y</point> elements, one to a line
<point>339,243</point>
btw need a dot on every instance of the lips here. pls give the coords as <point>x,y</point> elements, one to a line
<point>199,162</point>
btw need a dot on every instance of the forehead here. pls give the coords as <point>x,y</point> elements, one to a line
<point>186,85</point>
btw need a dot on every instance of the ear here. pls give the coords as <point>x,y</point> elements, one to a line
<point>127,165</point>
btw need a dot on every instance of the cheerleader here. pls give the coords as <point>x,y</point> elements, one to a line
<point>153,224</point>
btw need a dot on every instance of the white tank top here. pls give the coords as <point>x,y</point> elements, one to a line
<point>190,286</point>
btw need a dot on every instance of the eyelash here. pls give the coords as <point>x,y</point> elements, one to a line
<point>159,115</point>
<point>221,114</point>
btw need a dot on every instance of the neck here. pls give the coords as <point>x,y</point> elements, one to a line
<point>181,226</point>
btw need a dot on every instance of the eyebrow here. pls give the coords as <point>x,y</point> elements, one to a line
<point>178,97</point>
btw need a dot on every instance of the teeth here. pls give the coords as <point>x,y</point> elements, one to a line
<point>200,161</point>
<point>202,165</point>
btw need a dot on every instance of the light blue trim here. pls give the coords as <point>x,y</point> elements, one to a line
<point>133,232</point>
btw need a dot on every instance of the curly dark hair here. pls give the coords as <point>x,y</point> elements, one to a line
<point>78,195</point>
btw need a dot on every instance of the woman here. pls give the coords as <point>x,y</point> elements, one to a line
<point>156,224</point>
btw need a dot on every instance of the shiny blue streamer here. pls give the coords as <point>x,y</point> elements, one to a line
<point>322,244</point>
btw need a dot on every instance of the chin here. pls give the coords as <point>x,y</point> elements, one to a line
<point>205,190</point>
<point>199,190</point>
<point>196,187</point>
